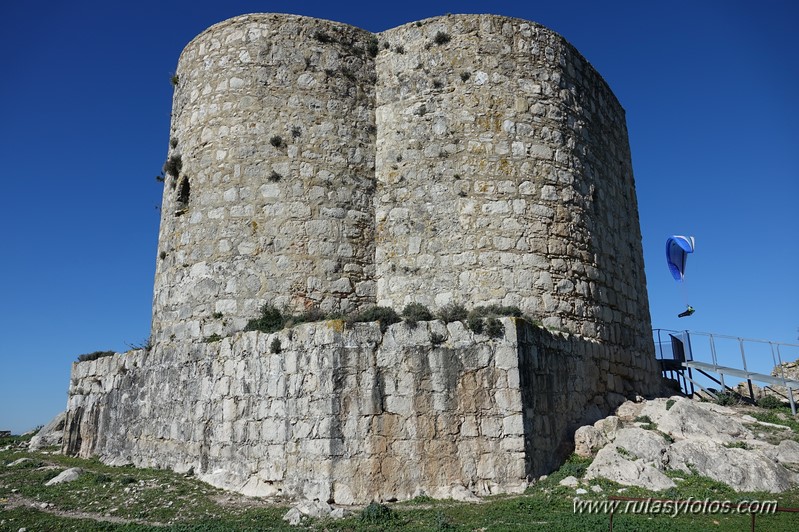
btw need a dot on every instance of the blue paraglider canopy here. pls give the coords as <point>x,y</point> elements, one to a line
<point>677,249</point>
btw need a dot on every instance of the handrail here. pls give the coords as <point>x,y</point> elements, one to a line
<point>684,338</point>
<point>732,337</point>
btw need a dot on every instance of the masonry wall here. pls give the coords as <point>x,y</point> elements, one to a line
<point>468,158</point>
<point>273,123</point>
<point>352,415</point>
<point>504,177</point>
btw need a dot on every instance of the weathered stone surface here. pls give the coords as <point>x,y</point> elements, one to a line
<point>786,452</point>
<point>711,440</point>
<point>629,410</point>
<point>696,420</point>
<point>293,517</point>
<point>313,509</point>
<point>644,444</point>
<point>588,440</point>
<point>609,425</point>
<point>316,165</point>
<point>741,469</point>
<point>68,475</point>
<point>610,464</point>
<point>341,412</point>
<point>49,435</point>
<point>319,169</point>
<point>569,482</point>
<point>460,493</point>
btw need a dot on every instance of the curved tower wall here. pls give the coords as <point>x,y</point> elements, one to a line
<point>504,176</point>
<point>273,124</point>
<point>471,158</point>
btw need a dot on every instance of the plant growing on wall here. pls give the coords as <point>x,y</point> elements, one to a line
<point>441,38</point>
<point>275,346</point>
<point>414,312</point>
<point>453,312</point>
<point>271,320</point>
<point>173,165</point>
<point>95,355</point>
<point>384,315</point>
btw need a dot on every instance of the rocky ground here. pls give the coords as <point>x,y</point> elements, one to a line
<point>645,441</point>
<point>670,448</point>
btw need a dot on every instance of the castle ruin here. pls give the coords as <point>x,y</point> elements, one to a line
<point>470,159</point>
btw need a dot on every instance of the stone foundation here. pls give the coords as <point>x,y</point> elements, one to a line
<point>352,414</point>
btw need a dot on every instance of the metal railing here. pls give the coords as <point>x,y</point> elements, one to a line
<point>679,352</point>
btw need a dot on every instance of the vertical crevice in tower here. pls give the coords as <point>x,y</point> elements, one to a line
<point>182,201</point>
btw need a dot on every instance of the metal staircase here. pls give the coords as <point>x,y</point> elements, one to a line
<point>684,354</point>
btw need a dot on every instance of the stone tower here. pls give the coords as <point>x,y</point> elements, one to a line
<point>470,159</point>
<point>273,127</point>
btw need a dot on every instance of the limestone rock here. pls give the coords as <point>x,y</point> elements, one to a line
<point>708,438</point>
<point>741,469</point>
<point>459,493</point>
<point>695,420</point>
<point>645,444</point>
<point>629,410</point>
<point>787,452</point>
<point>19,461</point>
<point>313,509</point>
<point>49,435</point>
<point>569,482</point>
<point>610,464</point>
<point>587,440</point>
<point>293,517</point>
<point>68,475</point>
<point>608,425</point>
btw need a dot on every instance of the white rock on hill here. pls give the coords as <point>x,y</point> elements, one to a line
<point>68,475</point>
<point>50,434</point>
<point>627,469</point>
<point>315,509</point>
<point>679,434</point>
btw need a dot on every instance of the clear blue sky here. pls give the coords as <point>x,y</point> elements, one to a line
<point>710,90</point>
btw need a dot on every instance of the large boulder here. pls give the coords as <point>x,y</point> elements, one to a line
<point>68,475</point>
<point>786,453</point>
<point>647,445</point>
<point>644,440</point>
<point>588,440</point>
<point>684,418</point>
<point>314,509</point>
<point>741,469</point>
<point>628,470</point>
<point>49,435</point>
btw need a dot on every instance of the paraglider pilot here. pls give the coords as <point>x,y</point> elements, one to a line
<point>677,250</point>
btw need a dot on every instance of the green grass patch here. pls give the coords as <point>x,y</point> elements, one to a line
<point>151,499</point>
<point>778,416</point>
